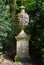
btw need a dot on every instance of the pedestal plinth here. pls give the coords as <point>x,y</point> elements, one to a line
<point>22,45</point>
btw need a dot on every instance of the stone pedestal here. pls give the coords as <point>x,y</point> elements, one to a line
<point>22,45</point>
<point>22,38</point>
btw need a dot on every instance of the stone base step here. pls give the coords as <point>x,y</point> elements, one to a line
<point>25,60</point>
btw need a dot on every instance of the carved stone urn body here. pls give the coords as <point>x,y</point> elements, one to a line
<point>23,18</point>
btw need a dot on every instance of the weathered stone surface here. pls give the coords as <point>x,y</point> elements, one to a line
<point>22,48</point>
<point>22,38</point>
<point>22,44</point>
<point>23,17</point>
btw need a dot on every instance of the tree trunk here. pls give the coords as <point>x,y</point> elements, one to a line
<point>12,9</point>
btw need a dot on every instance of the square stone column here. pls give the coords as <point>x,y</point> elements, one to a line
<point>22,45</point>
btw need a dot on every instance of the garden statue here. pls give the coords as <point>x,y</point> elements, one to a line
<point>22,38</point>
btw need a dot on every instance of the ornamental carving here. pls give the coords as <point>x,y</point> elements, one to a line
<point>23,17</point>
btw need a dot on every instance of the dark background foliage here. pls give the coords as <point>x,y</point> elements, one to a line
<point>9,28</point>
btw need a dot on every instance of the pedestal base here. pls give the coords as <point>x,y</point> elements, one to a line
<point>23,48</point>
<point>27,59</point>
<point>22,45</point>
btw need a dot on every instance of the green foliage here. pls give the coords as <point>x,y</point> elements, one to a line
<point>35,8</point>
<point>36,27</point>
<point>4,21</point>
<point>17,58</point>
<point>29,4</point>
<point>18,63</point>
<point>8,29</point>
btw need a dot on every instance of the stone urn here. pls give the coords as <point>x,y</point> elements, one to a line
<point>22,47</point>
<point>23,18</point>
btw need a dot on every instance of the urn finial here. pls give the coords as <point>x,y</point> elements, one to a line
<point>22,7</point>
